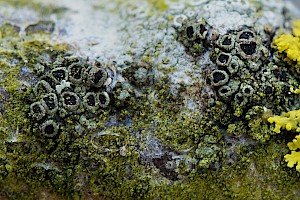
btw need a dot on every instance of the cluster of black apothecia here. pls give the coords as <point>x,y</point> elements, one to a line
<point>237,55</point>
<point>234,54</point>
<point>240,70</point>
<point>68,89</point>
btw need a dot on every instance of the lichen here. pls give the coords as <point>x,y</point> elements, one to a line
<point>288,121</point>
<point>293,158</point>
<point>77,127</point>
<point>290,45</point>
<point>18,60</point>
<point>239,73</point>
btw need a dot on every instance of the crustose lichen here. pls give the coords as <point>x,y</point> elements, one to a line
<point>69,89</point>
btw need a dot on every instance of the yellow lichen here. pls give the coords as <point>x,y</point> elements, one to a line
<point>288,121</point>
<point>294,157</point>
<point>295,144</point>
<point>290,44</point>
<point>296,30</point>
<point>296,91</point>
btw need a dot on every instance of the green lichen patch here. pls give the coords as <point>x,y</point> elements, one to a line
<point>264,176</point>
<point>19,150</point>
<point>9,30</point>
<point>258,175</point>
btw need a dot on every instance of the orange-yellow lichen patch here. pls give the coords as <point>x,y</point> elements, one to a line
<point>288,121</point>
<point>293,158</point>
<point>290,45</point>
<point>296,91</point>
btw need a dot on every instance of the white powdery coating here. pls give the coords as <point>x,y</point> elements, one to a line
<point>230,15</point>
<point>226,15</point>
<point>20,16</point>
<point>272,13</point>
<point>94,32</point>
